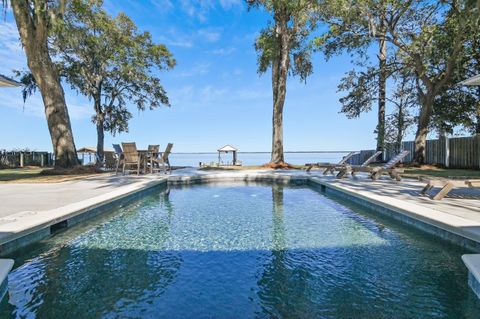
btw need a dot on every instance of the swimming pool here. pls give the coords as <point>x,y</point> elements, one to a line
<point>240,251</point>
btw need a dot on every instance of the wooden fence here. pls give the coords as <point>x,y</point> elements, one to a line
<point>456,152</point>
<point>13,159</point>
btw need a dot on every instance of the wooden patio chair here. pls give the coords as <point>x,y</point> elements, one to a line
<point>110,161</point>
<point>349,168</point>
<point>330,167</point>
<point>131,158</point>
<point>447,185</point>
<point>388,168</point>
<point>152,154</point>
<point>163,160</point>
<point>118,156</point>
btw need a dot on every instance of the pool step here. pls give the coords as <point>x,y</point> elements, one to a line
<point>5,267</point>
<point>472,261</point>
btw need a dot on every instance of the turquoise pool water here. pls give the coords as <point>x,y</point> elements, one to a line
<point>237,251</point>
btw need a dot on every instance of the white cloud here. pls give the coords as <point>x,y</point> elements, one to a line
<point>197,69</point>
<point>228,4</point>
<point>176,39</point>
<point>13,58</point>
<point>33,106</point>
<point>209,35</point>
<point>201,8</point>
<point>223,51</point>
<point>237,71</point>
<point>185,43</point>
<point>163,5</point>
<point>209,95</point>
<point>181,39</point>
<point>11,53</point>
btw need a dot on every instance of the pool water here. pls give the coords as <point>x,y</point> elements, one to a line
<point>238,251</point>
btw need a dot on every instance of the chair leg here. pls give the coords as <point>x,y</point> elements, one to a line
<point>123,168</point>
<point>325,172</point>
<point>375,175</point>
<point>426,189</point>
<point>341,173</point>
<point>444,191</point>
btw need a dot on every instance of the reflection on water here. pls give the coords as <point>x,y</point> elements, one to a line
<point>192,159</point>
<point>239,252</point>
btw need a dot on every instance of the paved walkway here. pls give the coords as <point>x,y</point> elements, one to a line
<point>34,197</point>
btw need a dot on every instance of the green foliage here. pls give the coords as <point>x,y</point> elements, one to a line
<point>361,91</point>
<point>300,20</point>
<point>401,118</point>
<point>29,86</point>
<point>109,61</point>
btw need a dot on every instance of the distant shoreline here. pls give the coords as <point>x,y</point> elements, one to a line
<point>290,152</point>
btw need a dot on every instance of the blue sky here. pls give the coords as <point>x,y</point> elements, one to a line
<point>216,94</point>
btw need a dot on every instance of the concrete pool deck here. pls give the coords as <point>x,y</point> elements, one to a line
<point>31,209</point>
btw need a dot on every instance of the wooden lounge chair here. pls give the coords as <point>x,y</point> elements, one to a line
<point>131,158</point>
<point>447,185</point>
<point>119,156</point>
<point>388,168</point>
<point>330,167</point>
<point>349,168</point>
<point>163,160</point>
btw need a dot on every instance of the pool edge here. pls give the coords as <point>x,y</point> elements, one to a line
<point>60,218</point>
<point>450,233</point>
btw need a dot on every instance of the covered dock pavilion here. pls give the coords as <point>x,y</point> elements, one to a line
<point>228,149</point>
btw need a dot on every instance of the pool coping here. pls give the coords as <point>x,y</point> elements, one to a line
<point>5,266</point>
<point>28,227</point>
<point>34,227</point>
<point>472,262</point>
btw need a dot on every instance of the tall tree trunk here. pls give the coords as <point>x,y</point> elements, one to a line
<point>280,67</point>
<point>477,127</point>
<point>34,35</point>
<point>100,142</point>
<point>400,126</point>
<point>422,130</point>
<point>99,122</point>
<point>382,84</point>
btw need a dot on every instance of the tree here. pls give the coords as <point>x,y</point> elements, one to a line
<point>471,66</point>
<point>429,44</point>
<point>35,19</point>
<point>354,26</point>
<point>109,61</point>
<point>403,99</point>
<point>284,47</point>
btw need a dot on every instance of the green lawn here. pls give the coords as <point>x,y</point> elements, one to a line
<point>441,172</point>
<point>18,173</point>
<point>35,175</point>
